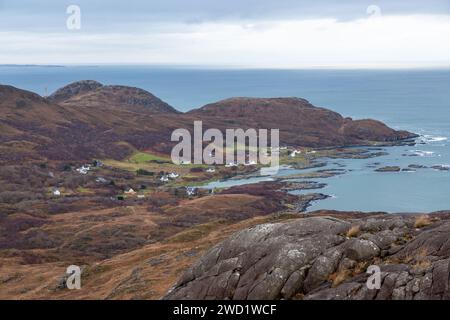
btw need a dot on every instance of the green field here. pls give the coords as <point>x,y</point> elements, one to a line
<point>143,157</point>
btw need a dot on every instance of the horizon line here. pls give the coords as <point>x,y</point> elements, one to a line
<point>235,67</point>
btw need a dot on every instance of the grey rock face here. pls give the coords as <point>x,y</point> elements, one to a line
<point>361,250</point>
<point>264,261</point>
<point>311,258</point>
<point>73,89</point>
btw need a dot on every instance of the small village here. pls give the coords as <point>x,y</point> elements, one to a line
<point>155,173</point>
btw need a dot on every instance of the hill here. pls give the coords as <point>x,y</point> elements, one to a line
<point>86,120</point>
<point>93,94</point>
<point>300,122</point>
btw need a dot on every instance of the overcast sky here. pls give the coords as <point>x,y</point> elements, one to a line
<point>235,33</point>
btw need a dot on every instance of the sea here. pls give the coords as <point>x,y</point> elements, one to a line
<point>417,100</point>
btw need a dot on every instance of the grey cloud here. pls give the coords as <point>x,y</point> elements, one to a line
<point>113,15</point>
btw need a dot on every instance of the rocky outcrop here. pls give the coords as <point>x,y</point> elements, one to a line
<point>441,167</point>
<point>74,89</point>
<point>389,169</point>
<point>325,257</point>
<point>93,94</point>
<point>417,166</point>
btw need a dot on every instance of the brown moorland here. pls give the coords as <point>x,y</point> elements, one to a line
<point>134,245</point>
<point>87,120</point>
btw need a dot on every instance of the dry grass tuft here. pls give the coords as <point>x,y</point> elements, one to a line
<point>353,231</point>
<point>422,221</point>
<point>339,277</point>
<point>422,265</point>
<point>361,267</point>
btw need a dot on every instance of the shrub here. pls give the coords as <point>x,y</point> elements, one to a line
<point>14,197</point>
<point>21,104</point>
<point>353,232</point>
<point>422,221</point>
<point>339,277</point>
<point>143,172</point>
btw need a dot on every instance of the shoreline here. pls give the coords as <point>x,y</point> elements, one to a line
<point>332,160</point>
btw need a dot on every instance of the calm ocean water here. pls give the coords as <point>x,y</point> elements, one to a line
<point>414,100</point>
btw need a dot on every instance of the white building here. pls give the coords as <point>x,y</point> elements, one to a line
<point>130,191</point>
<point>173,175</point>
<point>101,180</point>
<point>190,191</point>
<point>295,152</point>
<point>231,164</point>
<point>83,169</point>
